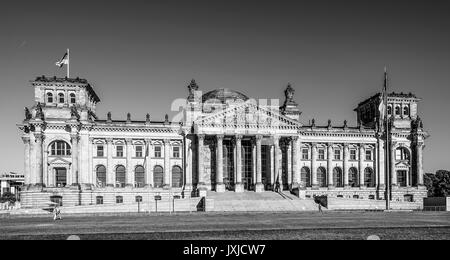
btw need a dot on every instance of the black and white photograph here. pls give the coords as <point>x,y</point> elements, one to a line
<point>226,125</point>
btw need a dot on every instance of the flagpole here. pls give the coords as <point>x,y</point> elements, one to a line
<point>387,144</point>
<point>68,63</point>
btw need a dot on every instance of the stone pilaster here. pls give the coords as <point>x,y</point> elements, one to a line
<point>129,177</point>
<point>346,165</point>
<point>148,162</point>
<point>167,170</point>
<point>314,181</point>
<point>110,180</point>
<point>188,162</point>
<point>296,162</point>
<point>220,186</point>
<point>330,178</point>
<point>392,164</point>
<point>259,185</point>
<point>238,186</point>
<point>420,172</point>
<point>361,166</point>
<point>381,169</point>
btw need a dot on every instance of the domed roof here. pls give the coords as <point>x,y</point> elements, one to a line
<point>223,95</point>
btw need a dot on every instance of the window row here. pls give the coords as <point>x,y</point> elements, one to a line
<point>338,177</point>
<point>139,176</point>
<point>119,199</point>
<point>399,111</point>
<point>139,151</point>
<point>337,154</point>
<point>61,98</point>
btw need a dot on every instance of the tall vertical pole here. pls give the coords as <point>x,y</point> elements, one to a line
<point>68,63</point>
<point>387,144</point>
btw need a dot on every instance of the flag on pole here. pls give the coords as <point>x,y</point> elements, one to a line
<point>64,61</point>
<point>382,107</point>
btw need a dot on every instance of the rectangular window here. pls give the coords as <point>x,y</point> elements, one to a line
<point>176,152</point>
<point>368,155</point>
<point>353,155</point>
<point>119,199</point>
<point>321,154</point>
<point>99,200</point>
<point>305,154</point>
<point>337,154</point>
<point>100,151</point>
<point>139,151</point>
<point>119,151</point>
<point>158,152</point>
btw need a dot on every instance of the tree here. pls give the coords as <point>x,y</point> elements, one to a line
<point>438,184</point>
<point>8,197</point>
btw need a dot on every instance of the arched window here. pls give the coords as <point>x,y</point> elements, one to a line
<point>158,176</point>
<point>59,148</point>
<point>306,176</point>
<point>322,177</point>
<point>397,110</point>
<point>402,154</point>
<point>139,176</point>
<point>101,176</point>
<point>353,177</point>
<point>406,111</point>
<point>49,97</point>
<point>61,98</point>
<point>369,177</point>
<point>389,109</point>
<point>120,176</point>
<point>72,98</point>
<point>177,177</point>
<point>337,177</point>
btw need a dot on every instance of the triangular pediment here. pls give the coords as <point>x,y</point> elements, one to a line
<point>59,161</point>
<point>402,165</point>
<point>248,115</point>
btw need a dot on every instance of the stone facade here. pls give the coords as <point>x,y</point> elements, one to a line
<point>225,142</point>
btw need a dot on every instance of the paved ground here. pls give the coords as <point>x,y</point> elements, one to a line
<point>254,226</point>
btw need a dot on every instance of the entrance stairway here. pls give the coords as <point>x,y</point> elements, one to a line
<point>254,202</point>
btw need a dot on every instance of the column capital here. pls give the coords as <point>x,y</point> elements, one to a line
<point>258,138</point>
<point>313,145</point>
<point>128,141</point>
<point>238,137</point>
<point>109,140</point>
<point>74,138</point>
<point>91,140</point>
<point>220,137</point>
<point>295,138</point>
<point>26,139</point>
<point>148,141</point>
<point>201,137</point>
<point>166,141</point>
<point>39,137</point>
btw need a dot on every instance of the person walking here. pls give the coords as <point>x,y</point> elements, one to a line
<point>320,208</point>
<point>56,213</point>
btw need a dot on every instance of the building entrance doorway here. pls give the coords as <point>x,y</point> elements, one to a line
<point>247,171</point>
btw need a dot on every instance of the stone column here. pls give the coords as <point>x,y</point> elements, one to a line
<point>346,158</point>
<point>289,164</point>
<point>253,162</point>
<point>392,165</point>
<point>419,150</point>
<point>314,182</point>
<point>361,166</point>
<point>239,187</point>
<point>259,185</point>
<point>39,175</point>
<point>295,163</point>
<point>74,138</point>
<point>330,165</point>
<point>167,170</point>
<point>26,157</point>
<point>92,175</point>
<point>277,161</point>
<point>129,179</point>
<point>220,186</point>
<point>272,165</point>
<point>110,180</point>
<point>188,162</point>
<point>201,176</point>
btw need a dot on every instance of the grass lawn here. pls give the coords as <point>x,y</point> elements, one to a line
<point>235,226</point>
